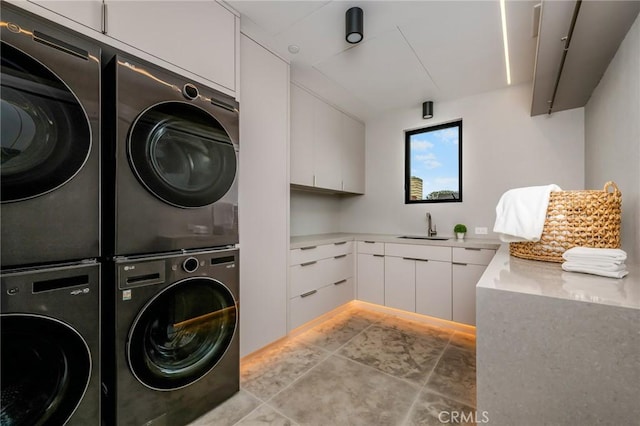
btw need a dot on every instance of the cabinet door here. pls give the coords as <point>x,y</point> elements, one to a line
<point>198,36</point>
<point>465,278</point>
<point>85,12</point>
<point>263,167</point>
<point>353,172</point>
<point>371,278</point>
<point>301,136</point>
<point>433,288</point>
<point>400,283</point>
<point>327,150</point>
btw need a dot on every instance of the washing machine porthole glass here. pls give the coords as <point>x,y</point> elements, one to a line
<point>182,333</point>
<point>182,154</point>
<point>46,368</point>
<point>46,137</point>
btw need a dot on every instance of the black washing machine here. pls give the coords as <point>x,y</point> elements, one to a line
<point>49,158</point>
<point>175,328</point>
<point>172,161</point>
<point>50,326</point>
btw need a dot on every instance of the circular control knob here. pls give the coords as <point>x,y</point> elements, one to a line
<point>190,264</point>
<point>190,91</point>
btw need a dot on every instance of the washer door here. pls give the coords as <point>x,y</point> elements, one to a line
<point>182,333</point>
<point>46,138</point>
<point>46,368</point>
<point>182,154</point>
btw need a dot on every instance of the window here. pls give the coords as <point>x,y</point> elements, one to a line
<point>433,164</point>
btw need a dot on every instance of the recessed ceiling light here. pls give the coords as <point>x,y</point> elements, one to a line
<point>294,48</point>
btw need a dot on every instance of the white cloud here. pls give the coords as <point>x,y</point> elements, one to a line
<point>449,135</point>
<point>421,145</point>
<point>430,160</point>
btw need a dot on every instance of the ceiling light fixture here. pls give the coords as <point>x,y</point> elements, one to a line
<point>427,109</point>
<point>294,48</point>
<point>503,14</point>
<point>354,25</point>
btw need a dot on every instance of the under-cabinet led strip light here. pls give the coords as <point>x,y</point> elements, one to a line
<point>503,14</point>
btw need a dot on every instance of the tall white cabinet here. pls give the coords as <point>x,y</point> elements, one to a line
<point>264,196</point>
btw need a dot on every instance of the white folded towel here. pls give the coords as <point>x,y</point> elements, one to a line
<point>595,255</point>
<point>521,212</point>
<point>610,267</point>
<point>568,266</point>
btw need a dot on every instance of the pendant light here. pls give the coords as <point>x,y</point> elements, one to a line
<point>427,110</point>
<point>354,24</point>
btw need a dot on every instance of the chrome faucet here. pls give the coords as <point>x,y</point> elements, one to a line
<point>431,231</point>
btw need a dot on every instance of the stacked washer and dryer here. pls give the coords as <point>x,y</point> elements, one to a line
<point>50,224</point>
<point>119,229</point>
<point>170,333</point>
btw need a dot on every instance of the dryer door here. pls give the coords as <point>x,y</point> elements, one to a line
<point>46,367</point>
<point>46,138</point>
<point>182,333</point>
<point>182,154</point>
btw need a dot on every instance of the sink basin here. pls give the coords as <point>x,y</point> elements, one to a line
<point>423,237</point>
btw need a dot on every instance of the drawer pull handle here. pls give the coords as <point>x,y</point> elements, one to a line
<point>309,293</point>
<point>340,243</point>
<point>416,259</point>
<point>340,256</point>
<point>378,255</point>
<point>308,248</point>
<point>369,242</point>
<point>472,248</point>
<point>309,263</point>
<point>458,263</point>
<point>340,282</point>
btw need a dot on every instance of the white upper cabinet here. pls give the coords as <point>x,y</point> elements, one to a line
<point>301,137</point>
<point>327,146</point>
<point>200,37</point>
<point>354,155</point>
<point>86,12</point>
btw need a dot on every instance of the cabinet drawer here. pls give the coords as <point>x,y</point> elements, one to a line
<point>317,252</point>
<point>416,251</point>
<point>370,247</point>
<point>304,309</point>
<point>321,301</point>
<point>474,256</point>
<point>319,273</point>
<point>339,268</point>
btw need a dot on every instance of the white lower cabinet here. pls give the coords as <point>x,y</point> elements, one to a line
<point>321,279</point>
<point>465,278</point>
<point>371,278</point>
<point>468,266</point>
<point>433,288</point>
<point>400,283</point>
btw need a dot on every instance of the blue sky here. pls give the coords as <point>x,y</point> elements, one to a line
<point>434,158</point>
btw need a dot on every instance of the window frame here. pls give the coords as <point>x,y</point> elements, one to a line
<point>407,161</point>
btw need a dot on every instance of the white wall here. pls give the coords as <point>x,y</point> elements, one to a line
<point>612,135</point>
<point>314,213</point>
<point>503,147</point>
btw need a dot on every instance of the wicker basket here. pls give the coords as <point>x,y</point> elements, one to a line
<point>576,219</point>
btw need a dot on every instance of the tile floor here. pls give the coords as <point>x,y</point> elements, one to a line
<point>359,368</point>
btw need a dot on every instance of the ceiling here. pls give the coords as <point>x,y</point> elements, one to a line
<point>412,51</point>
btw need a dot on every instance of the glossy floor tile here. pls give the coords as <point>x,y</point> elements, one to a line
<point>361,367</point>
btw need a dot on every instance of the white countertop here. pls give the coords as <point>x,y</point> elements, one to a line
<point>547,279</point>
<point>317,239</point>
